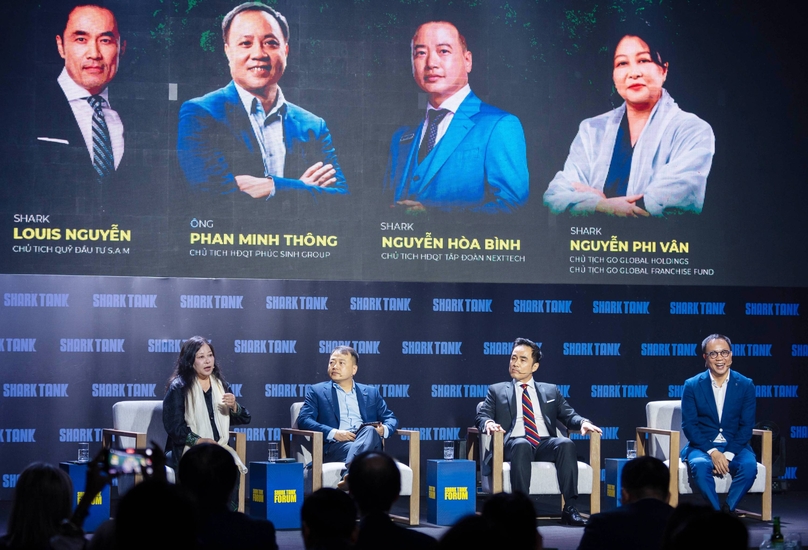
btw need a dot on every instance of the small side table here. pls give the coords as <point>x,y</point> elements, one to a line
<point>452,486</point>
<point>99,509</point>
<point>614,474</point>
<point>276,492</point>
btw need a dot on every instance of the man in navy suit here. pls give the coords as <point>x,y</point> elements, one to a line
<point>465,155</point>
<point>718,414</point>
<point>353,417</point>
<point>504,410</point>
<point>246,140</point>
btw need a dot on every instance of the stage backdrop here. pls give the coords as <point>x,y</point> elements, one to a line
<point>102,280</point>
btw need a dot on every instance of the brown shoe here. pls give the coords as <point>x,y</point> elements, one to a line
<point>343,483</point>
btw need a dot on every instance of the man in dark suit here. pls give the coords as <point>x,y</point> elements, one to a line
<point>514,407</point>
<point>718,414</point>
<point>246,140</point>
<point>76,153</point>
<point>465,155</point>
<point>353,417</point>
<point>375,485</point>
<point>640,522</point>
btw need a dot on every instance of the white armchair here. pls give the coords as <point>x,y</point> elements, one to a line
<point>306,446</point>
<point>543,478</point>
<point>662,437</point>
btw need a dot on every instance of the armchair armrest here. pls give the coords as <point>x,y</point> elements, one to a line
<point>594,463</point>
<point>642,437</point>
<point>241,450</point>
<point>316,452</point>
<point>110,434</point>
<point>472,441</point>
<point>766,460</point>
<point>497,444</point>
<point>414,457</point>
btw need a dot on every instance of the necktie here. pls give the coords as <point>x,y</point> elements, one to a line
<point>531,433</point>
<point>103,159</point>
<point>434,116</point>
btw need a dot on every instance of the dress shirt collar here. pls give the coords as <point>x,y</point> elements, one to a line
<point>453,103</point>
<point>73,91</point>
<point>715,384</point>
<point>251,103</point>
<point>338,387</point>
<point>530,384</point>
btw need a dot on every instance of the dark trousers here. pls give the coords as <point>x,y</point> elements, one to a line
<point>560,450</point>
<point>367,439</point>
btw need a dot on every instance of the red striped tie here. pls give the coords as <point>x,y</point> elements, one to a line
<point>531,433</point>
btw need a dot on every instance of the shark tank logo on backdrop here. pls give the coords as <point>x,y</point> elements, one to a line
<point>35,299</point>
<point>70,435</point>
<point>134,301</point>
<point>297,302</point>
<point>668,349</point>
<point>362,347</point>
<point>164,345</point>
<point>676,390</point>
<point>620,307</point>
<point>17,435</point>
<point>609,432</point>
<point>500,348</point>
<point>211,301</point>
<point>259,434</point>
<point>752,350</point>
<point>35,390</point>
<point>410,347</point>
<point>799,432</point>
<point>18,345</point>
<point>463,305</point>
<point>124,390</point>
<point>285,390</point>
<point>592,348</point>
<point>435,433</point>
<point>697,308</point>
<point>776,391</point>
<point>361,303</point>
<point>619,390</point>
<point>542,306</point>
<point>92,345</point>
<point>459,390</point>
<point>799,350</point>
<point>10,480</point>
<point>265,346</point>
<point>772,309</point>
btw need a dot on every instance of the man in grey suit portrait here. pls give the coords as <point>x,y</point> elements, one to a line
<point>512,407</point>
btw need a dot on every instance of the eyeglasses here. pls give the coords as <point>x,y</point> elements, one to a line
<point>722,353</point>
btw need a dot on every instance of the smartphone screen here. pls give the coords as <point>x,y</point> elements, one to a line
<point>129,461</point>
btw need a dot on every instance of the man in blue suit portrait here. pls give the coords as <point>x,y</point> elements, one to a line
<point>353,417</point>
<point>246,140</point>
<point>718,414</point>
<point>465,155</point>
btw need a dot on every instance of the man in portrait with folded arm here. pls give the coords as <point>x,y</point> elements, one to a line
<point>246,140</point>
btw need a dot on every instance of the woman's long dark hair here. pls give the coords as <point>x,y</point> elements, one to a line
<point>184,366</point>
<point>42,499</point>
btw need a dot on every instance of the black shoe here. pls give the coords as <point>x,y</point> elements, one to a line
<point>725,509</point>
<point>570,516</point>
